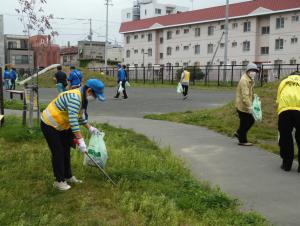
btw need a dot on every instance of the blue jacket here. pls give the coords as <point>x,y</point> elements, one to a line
<point>6,74</point>
<point>13,75</point>
<point>121,75</point>
<point>75,78</point>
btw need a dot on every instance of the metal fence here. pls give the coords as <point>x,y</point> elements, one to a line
<point>219,75</point>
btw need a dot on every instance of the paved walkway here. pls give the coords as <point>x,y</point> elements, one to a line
<point>248,173</point>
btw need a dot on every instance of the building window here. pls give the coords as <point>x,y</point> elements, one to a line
<point>149,52</point>
<point>264,50</point>
<point>277,62</point>
<point>169,35</point>
<point>158,11</point>
<point>150,37</point>
<point>210,30</point>
<point>293,61</point>
<point>177,48</point>
<point>265,30</point>
<point>136,51</point>
<point>145,11</point>
<point>161,55</point>
<point>234,44</point>
<point>21,59</point>
<point>128,39</point>
<point>197,49</point>
<point>169,51</point>
<point>65,59</point>
<point>279,44</point>
<point>128,15</point>
<point>246,46</point>
<point>222,27</point>
<point>142,36</point>
<point>222,45</point>
<point>186,48</point>
<point>279,22</point>
<point>197,32</point>
<point>294,40</point>
<point>161,40</point>
<point>295,18</point>
<point>128,53</point>
<point>247,26</point>
<point>185,64</point>
<point>233,62</point>
<point>245,62</point>
<point>234,25</point>
<point>186,31</point>
<point>210,48</point>
<point>12,45</point>
<point>136,36</point>
<point>142,51</point>
<point>176,64</point>
<point>177,32</point>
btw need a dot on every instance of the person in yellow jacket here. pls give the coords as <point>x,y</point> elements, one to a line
<point>185,82</point>
<point>288,100</point>
<point>243,103</point>
<point>60,125</point>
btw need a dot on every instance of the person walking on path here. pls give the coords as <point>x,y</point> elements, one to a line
<point>60,78</point>
<point>244,101</point>
<point>185,81</point>
<point>288,100</point>
<point>6,78</point>
<point>60,125</point>
<point>13,78</point>
<point>121,82</point>
<point>75,79</point>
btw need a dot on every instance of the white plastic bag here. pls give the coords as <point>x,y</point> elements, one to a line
<point>120,89</point>
<point>256,109</point>
<point>97,150</point>
<point>179,88</point>
<point>127,84</point>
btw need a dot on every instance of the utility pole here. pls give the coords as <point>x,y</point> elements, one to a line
<point>91,32</point>
<point>226,40</point>
<point>107,3</point>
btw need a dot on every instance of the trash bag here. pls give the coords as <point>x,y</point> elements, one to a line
<point>127,84</point>
<point>97,150</point>
<point>256,109</point>
<point>120,88</point>
<point>179,88</point>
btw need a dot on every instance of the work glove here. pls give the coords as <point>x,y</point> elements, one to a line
<point>93,130</point>
<point>81,145</point>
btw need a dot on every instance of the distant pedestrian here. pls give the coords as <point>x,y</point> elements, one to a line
<point>288,100</point>
<point>75,78</point>
<point>121,82</point>
<point>185,82</point>
<point>61,80</point>
<point>244,101</point>
<point>6,77</point>
<point>13,78</point>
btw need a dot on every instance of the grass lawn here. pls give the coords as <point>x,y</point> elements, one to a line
<point>153,186</point>
<point>225,119</point>
<point>18,105</point>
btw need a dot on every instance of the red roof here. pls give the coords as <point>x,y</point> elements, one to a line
<point>69,50</point>
<point>214,13</point>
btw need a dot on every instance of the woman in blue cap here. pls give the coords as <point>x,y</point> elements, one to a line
<point>60,125</point>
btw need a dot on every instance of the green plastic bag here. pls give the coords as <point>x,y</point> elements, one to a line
<point>256,109</point>
<point>97,150</point>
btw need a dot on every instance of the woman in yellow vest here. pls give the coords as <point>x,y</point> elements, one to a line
<point>288,100</point>
<point>185,81</point>
<point>60,125</point>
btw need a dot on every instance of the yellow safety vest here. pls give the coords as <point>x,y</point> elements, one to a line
<point>288,96</point>
<point>56,118</point>
<point>186,78</point>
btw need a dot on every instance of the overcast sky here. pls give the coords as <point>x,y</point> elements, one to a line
<point>75,30</point>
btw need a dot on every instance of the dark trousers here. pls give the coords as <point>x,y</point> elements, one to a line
<point>124,91</point>
<point>287,121</point>
<point>246,122</point>
<point>13,84</point>
<point>59,143</point>
<point>185,90</point>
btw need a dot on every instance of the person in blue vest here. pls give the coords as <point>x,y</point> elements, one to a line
<point>75,78</point>
<point>13,78</point>
<point>121,81</point>
<point>6,78</point>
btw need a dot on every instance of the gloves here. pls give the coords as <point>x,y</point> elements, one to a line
<point>81,145</point>
<point>93,130</point>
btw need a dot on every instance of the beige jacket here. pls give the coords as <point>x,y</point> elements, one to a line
<point>244,94</point>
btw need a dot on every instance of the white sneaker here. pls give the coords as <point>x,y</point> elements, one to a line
<point>74,180</point>
<point>63,186</point>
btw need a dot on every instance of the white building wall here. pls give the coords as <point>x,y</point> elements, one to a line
<point>2,51</point>
<point>237,34</point>
<point>126,15</point>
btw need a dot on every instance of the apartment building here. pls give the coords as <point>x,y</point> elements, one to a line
<point>2,51</point>
<point>259,31</point>
<point>115,53</point>
<point>143,9</point>
<point>17,52</point>
<point>69,56</point>
<point>91,50</point>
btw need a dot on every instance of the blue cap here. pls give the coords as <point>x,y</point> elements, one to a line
<point>98,87</point>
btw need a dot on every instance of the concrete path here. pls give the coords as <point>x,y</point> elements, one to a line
<point>247,173</point>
